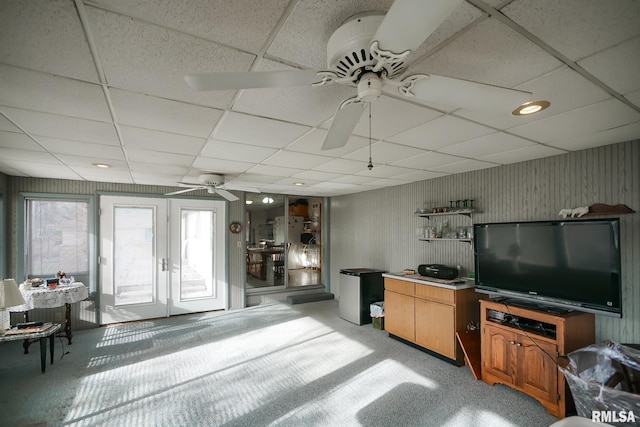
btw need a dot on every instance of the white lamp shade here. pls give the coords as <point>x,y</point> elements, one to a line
<point>10,294</point>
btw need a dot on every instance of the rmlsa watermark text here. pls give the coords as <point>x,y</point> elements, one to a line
<point>613,416</point>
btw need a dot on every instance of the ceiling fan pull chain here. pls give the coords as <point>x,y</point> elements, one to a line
<point>370,165</point>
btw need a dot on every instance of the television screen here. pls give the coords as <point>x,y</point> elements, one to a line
<point>569,263</point>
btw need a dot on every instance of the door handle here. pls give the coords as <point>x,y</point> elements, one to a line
<point>164,264</point>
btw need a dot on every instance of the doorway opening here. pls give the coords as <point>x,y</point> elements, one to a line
<point>284,241</point>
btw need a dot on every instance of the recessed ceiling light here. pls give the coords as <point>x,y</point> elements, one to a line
<point>101,165</point>
<point>267,200</point>
<point>299,184</point>
<point>249,202</point>
<point>532,107</point>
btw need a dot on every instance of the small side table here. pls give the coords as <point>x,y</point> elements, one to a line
<point>41,336</point>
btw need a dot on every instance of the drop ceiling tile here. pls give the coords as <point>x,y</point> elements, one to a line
<point>334,185</point>
<point>120,177</point>
<point>162,114</point>
<point>386,182</point>
<point>577,28</point>
<point>391,116</point>
<point>292,182</point>
<point>628,132</point>
<point>296,160</point>
<point>150,168</point>
<point>253,180</point>
<point>18,141</point>
<point>384,152</point>
<point>205,164</point>
<point>523,154</point>
<point>623,79</point>
<point>311,142</point>
<point>159,158</point>
<point>7,126</point>
<point>488,144</point>
<point>54,43</point>
<point>420,175</point>
<point>492,53</point>
<point>563,87</point>
<point>156,179</point>
<point>64,146</point>
<point>14,154</point>
<point>441,132</point>
<point>38,170</point>
<point>427,161</point>
<point>353,179</point>
<point>223,22</point>
<point>145,139</point>
<point>58,95</point>
<point>382,171</point>
<point>232,151</point>
<point>342,166</point>
<point>316,175</point>
<point>303,37</point>
<point>280,171</point>
<point>130,65</point>
<point>8,168</point>
<point>260,131</point>
<point>86,161</point>
<point>464,166</point>
<point>73,129</point>
<point>634,97</point>
<point>309,106</point>
<point>582,121</point>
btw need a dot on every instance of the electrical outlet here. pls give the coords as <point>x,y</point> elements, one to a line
<point>239,244</point>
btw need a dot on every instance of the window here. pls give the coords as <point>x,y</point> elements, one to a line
<point>57,237</point>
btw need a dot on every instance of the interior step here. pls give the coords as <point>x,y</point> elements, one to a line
<point>303,298</point>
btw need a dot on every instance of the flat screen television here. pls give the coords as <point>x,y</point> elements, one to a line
<point>571,264</point>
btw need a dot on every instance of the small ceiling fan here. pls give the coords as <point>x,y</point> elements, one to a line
<point>214,184</point>
<point>368,51</point>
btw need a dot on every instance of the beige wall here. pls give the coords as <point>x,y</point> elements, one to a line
<point>377,228</point>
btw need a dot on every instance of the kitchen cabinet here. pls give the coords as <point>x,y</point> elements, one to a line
<point>520,348</point>
<point>428,314</point>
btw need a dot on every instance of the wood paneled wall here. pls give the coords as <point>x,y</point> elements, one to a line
<point>377,228</point>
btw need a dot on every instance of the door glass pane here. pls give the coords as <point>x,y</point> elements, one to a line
<point>265,230</point>
<point>305,241</point>
<point>196,263</point>
<point>134,255</point>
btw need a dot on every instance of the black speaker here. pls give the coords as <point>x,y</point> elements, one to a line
<point>438,271</point>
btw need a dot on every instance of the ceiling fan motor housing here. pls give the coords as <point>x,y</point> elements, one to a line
<point>211,179</point>
<point>348,49</point>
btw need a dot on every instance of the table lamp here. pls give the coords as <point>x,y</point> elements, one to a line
<point>10,296</point>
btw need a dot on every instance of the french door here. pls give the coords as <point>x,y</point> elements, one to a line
<point>160,257</point>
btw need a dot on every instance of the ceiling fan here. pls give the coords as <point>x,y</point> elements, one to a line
<point>368,51</point>
<point>214,184</point>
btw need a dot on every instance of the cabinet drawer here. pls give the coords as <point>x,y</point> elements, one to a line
<point>435,293</point>
<point>399,286</point>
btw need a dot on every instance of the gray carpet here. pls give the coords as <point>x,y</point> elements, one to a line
<point>275,364</point>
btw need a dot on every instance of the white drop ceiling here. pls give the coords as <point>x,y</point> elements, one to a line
<point>91,81</point>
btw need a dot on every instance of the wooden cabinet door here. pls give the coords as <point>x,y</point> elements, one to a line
<point>399,313</point>
<point>537,371</point>
<point>435,327</point>
<point>499,354</point>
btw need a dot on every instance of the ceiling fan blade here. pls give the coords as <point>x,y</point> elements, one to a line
<point>409,22</point>
<point>251,79</point>
<point>468,94</point>
<point>240,188</point>
<point>344,122</point>
<point>184,191</point>
<point>224,193</point>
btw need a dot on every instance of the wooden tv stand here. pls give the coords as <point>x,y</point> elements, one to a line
<point>523,354</point>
